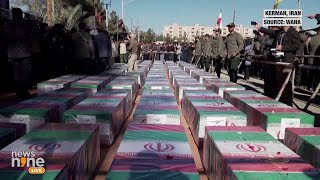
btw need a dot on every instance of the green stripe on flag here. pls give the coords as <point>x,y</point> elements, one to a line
<point>274,175</point>
<point>314,140</point>
<point>241,136</point>
<point>58,135</point>
<point>151,175</point>
<point>154,111</point>
<point>91,86</point>
<point>155,135</point>
<point>276,117</point>
<point>24,175</point>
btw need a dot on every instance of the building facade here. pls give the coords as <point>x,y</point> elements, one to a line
<point>190,32</point>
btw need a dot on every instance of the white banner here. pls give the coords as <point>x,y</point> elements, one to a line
<point>165,147</point>
<point>282,22</point>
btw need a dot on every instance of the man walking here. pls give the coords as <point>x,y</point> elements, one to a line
<point>218,50</point>
<point>198,52</point>
<point>234,45</point>
<point>207,49</point>
<point>133,49</point>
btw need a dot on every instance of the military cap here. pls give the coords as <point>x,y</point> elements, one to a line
<point>231,25</point>
<point>217,30</point>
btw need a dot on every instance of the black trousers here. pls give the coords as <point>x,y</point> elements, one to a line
<point>22,76</point>
<point>219,65</point>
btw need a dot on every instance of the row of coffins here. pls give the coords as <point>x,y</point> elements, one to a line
<point>153,151</point>
<point>10,132</point>
<point>305,142</point>
<point>50,107</point>
<point>262,111</point>
<point>267,113</point>
<point>202,107</point>
<point>109,107</point>
<point>155,146</point>
<point>206,108</point>
<point>70,151</point>
<point>64,152</point>
<point>251,153</point>
<point>157,104</point>
<point>45,108</point>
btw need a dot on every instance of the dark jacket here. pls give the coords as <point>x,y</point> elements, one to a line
<point>290,45</point>
<point>103,45</point>
<point>270,41</point>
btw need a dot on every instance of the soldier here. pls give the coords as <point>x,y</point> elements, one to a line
<point>314,46</point>
<point>133,49</point>
<point>234,45</point>
<point>198,52</point>
<point>218,50</point>
<point>207,49</point>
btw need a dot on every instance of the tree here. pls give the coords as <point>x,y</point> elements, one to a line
<point>113,23</point>
<point>160,37</point>
<point>169,39</point>
<point>64,11</point>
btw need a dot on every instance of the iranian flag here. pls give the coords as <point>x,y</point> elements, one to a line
<point>219,21</point>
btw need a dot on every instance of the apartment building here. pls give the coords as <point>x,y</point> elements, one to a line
<point>176,31</point>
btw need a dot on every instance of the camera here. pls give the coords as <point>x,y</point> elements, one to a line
<point>253,23</point>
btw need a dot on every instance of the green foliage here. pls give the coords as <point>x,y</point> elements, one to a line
<point>112,23</point>
<point>168,39</point>
<point>66,12</point>
<point>148,37</point>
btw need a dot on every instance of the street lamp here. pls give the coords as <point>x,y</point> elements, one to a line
<point>123,2</point>
<point>107,14</point>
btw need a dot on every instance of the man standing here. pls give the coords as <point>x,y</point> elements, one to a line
<point>18,34</point>
<point>198,52</point>
<point>104,49</point>
<point>218,51</point>
<point>133,49</point>
<point>207,49</point>
<point>314,46</point>
<point>273,37</point>
<point>234,45</point>
<point>83,51</point>
<point>290,45</point>
<point>123,52</point>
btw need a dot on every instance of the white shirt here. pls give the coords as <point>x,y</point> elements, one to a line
<point>123,48</point>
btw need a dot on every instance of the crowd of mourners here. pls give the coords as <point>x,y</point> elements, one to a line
<point>31,52</point>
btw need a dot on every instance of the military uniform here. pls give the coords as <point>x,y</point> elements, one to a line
<point>234,44</point>
<point>198,51</point>
<point>133,49</point>
<point>218,50</point>
<point>207,49</point>
<point>314,46</point>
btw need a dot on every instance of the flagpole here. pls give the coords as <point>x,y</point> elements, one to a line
<point>299,4</point>
<point>234,15</point>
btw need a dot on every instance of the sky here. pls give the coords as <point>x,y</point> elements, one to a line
<point>156,14</point>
